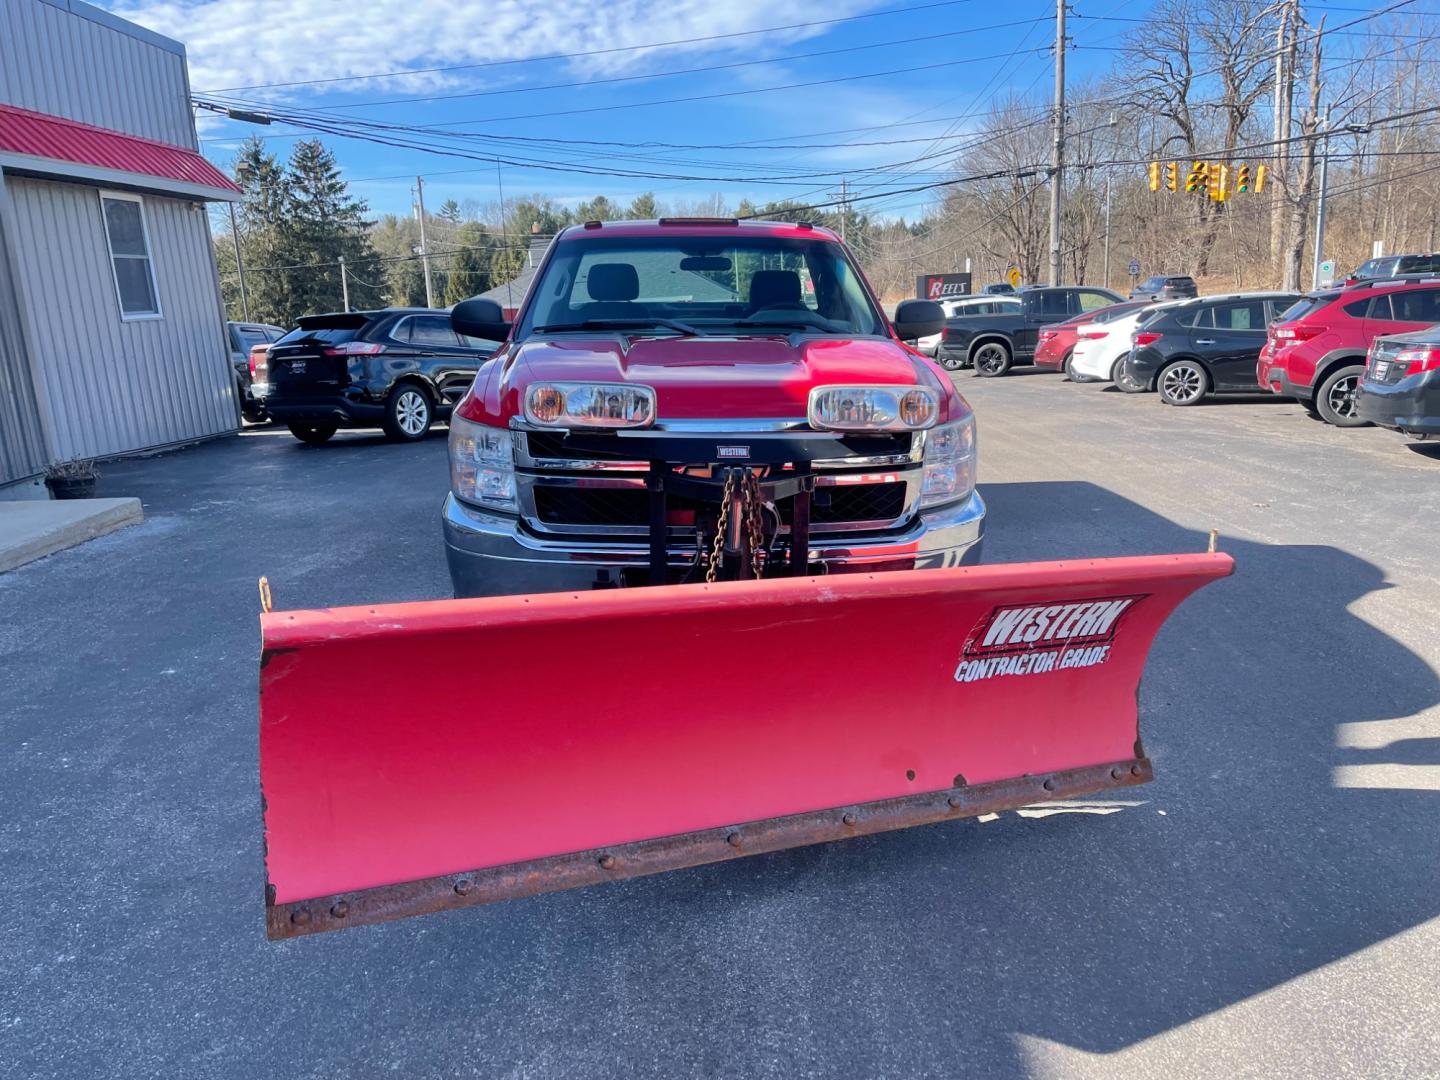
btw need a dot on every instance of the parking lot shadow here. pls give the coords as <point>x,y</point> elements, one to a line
<point>1242,867</point>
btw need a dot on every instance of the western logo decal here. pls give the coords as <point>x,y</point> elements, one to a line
<point>1031,639</point>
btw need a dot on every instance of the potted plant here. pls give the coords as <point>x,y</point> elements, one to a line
<point>72,479</point>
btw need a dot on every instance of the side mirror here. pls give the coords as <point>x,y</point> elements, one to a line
<point>480,318</point>
<point>917,319</point>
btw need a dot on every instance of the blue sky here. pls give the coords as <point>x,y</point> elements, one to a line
<point>240,43</point>
<point>963,54</point>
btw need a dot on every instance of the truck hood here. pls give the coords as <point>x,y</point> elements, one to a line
<point>712,377</point>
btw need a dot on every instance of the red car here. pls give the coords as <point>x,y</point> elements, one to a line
<point>1057,342</point>
<point>1315,352</point>
<point>692,397</point>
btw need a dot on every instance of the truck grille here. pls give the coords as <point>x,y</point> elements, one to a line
<point>630,507</point>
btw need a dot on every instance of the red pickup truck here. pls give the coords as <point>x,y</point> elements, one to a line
<point>687,398</point>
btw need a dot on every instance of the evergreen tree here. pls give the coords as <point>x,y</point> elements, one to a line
<point>598,209</point>
<point>643,208</point>
<point>326,223</point>
<point>471,267</point>
<point>450,211</point>
<point>265,235</point>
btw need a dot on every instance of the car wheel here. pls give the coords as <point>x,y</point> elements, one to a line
<point>407,413</point>
<point>1335,400</point>
<point>1121,377</point>
<point>1183,383</point>
<point>949,361</point>
<point>991,359</point>
<point>312,434</point>
<point>1070,373</point>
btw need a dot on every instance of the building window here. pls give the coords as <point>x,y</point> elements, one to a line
<point>130,255</point>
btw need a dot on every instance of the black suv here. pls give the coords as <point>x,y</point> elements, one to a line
<point>993,343</point>
<point>401,368</point>
<point>1388,266</point>
<point>1165,287</point>
<point>1197,347</point>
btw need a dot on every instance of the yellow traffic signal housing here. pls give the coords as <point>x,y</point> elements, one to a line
<point>1242,178</point>
<point>1172,176</point>
<point>1154,176</point>
<point>1259,179</point>
<point>1196,180</point>
<point>1219,181</point>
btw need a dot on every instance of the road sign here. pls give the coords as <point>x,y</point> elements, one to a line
<point>1327,269</point>
<point>1014,276</point>
<point>1134,267</point>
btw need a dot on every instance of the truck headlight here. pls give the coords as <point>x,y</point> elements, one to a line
<point>949,463</point>
<point>873,408</point>
<point>590,405</point>
<point>482,464</point>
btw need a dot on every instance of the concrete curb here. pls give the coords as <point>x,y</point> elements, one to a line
<point>30,530</point>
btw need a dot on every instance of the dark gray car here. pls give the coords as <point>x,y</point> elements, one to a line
<point>1165,287</point>
<point>1401,387</point>
<point>241,337</point>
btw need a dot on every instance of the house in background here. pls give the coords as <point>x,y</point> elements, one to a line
<point>112,331</point>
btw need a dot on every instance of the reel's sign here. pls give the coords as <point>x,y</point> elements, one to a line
<point>942,286</point>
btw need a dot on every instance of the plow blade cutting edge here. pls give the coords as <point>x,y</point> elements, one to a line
<point>421,757</point>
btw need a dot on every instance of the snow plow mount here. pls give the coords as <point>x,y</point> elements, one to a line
<point>730,488</point>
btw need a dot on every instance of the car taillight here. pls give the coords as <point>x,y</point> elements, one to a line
<point>260,364</point>
<point>353,348</point>
<point>1418,360</point>
<point>1093,335</point>
<point>1294,334</point>
<point>1145,337</point>
<point>1046,335</point>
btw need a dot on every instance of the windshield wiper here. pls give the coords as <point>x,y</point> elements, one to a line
<point>622,324</point>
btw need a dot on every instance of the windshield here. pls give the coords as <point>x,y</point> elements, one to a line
<point>702,285</point>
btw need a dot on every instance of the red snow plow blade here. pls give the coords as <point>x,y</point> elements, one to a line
<point>422,757</point>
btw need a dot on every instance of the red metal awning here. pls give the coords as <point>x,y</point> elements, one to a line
<point>42,143</point>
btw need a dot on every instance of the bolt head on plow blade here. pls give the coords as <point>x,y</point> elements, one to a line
<point>421,757</point>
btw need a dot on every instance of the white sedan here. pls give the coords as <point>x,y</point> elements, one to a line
<point>1101,348</point>
<point>968,305</point>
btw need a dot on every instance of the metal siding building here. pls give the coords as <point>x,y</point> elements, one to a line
<point>105,348</point>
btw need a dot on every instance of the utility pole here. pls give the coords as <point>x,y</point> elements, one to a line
<point>504,235</point>
<point>344,284</point>
<point>1320,202</point>
<point>424,249</point>
<point>844,206</point>
<point>1057,158</point>
<point>1107,231</point>
<point>239,265</point>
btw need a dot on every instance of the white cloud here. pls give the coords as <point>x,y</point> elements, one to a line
<point>248,42</point>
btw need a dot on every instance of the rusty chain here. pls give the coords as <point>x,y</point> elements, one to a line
<point>750,498</point>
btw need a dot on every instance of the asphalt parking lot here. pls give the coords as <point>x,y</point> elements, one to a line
<point>1270,906</point>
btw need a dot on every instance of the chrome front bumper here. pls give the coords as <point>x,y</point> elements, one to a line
<point>493,555</point>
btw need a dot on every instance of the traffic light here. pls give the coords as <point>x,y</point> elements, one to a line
<point>1242,178</point>
<point>1219,181</point>
<point>1198,182</point>
<point>1154,176</point>
<point>1172,176</point>
<point>1259,179</point>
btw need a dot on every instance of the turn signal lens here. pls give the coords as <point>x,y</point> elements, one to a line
<point>873,408</point>
<point>482,464</point>
<point>949,463</point>
<point>590,405</point>
<point>1145,337</point>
